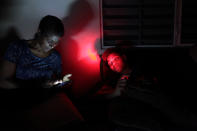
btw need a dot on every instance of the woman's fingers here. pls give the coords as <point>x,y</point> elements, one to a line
<point>66,77</point>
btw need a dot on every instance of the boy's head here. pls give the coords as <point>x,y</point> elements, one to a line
<point>115,59</point>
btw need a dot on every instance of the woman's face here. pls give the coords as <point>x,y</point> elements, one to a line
<point>115,62</point>
<point>49,42</point>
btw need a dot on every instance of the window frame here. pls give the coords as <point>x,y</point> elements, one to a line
<point>176,31</point>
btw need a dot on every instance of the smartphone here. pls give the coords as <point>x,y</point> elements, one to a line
<point>60,85</point>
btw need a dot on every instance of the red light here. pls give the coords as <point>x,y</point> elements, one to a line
<point>92,55</point>
<point>80,58</point>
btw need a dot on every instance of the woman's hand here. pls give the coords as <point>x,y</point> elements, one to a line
<point>66,77</point>
<point>53,83</point>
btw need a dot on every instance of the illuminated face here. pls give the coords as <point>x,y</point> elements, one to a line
<point>115,62</point>
<point>49,42</point>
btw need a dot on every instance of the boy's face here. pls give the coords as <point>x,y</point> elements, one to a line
<point>115,62</point>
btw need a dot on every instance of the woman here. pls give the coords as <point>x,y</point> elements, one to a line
<point>30,65</point>
<point>34,60</point>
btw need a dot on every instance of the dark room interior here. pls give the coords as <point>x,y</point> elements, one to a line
<point>156,41</point>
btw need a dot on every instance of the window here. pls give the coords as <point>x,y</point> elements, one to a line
<point>189,22</point>
<point>150,23</point>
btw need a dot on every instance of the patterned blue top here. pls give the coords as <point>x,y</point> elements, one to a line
<point>31,67</point>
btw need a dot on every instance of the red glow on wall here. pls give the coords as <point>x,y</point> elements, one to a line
<point>80,58</point>
<point>77,48</point>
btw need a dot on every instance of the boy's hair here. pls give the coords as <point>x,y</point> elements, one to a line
<point>51,25</point>
<point>109,51</point>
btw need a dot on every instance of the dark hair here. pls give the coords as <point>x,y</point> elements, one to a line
<point>109,51</point>
<point>51,25</point>
<point>105,70</point>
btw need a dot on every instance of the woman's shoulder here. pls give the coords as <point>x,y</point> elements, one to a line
<point>15,50</point>
<point>19,44</point>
